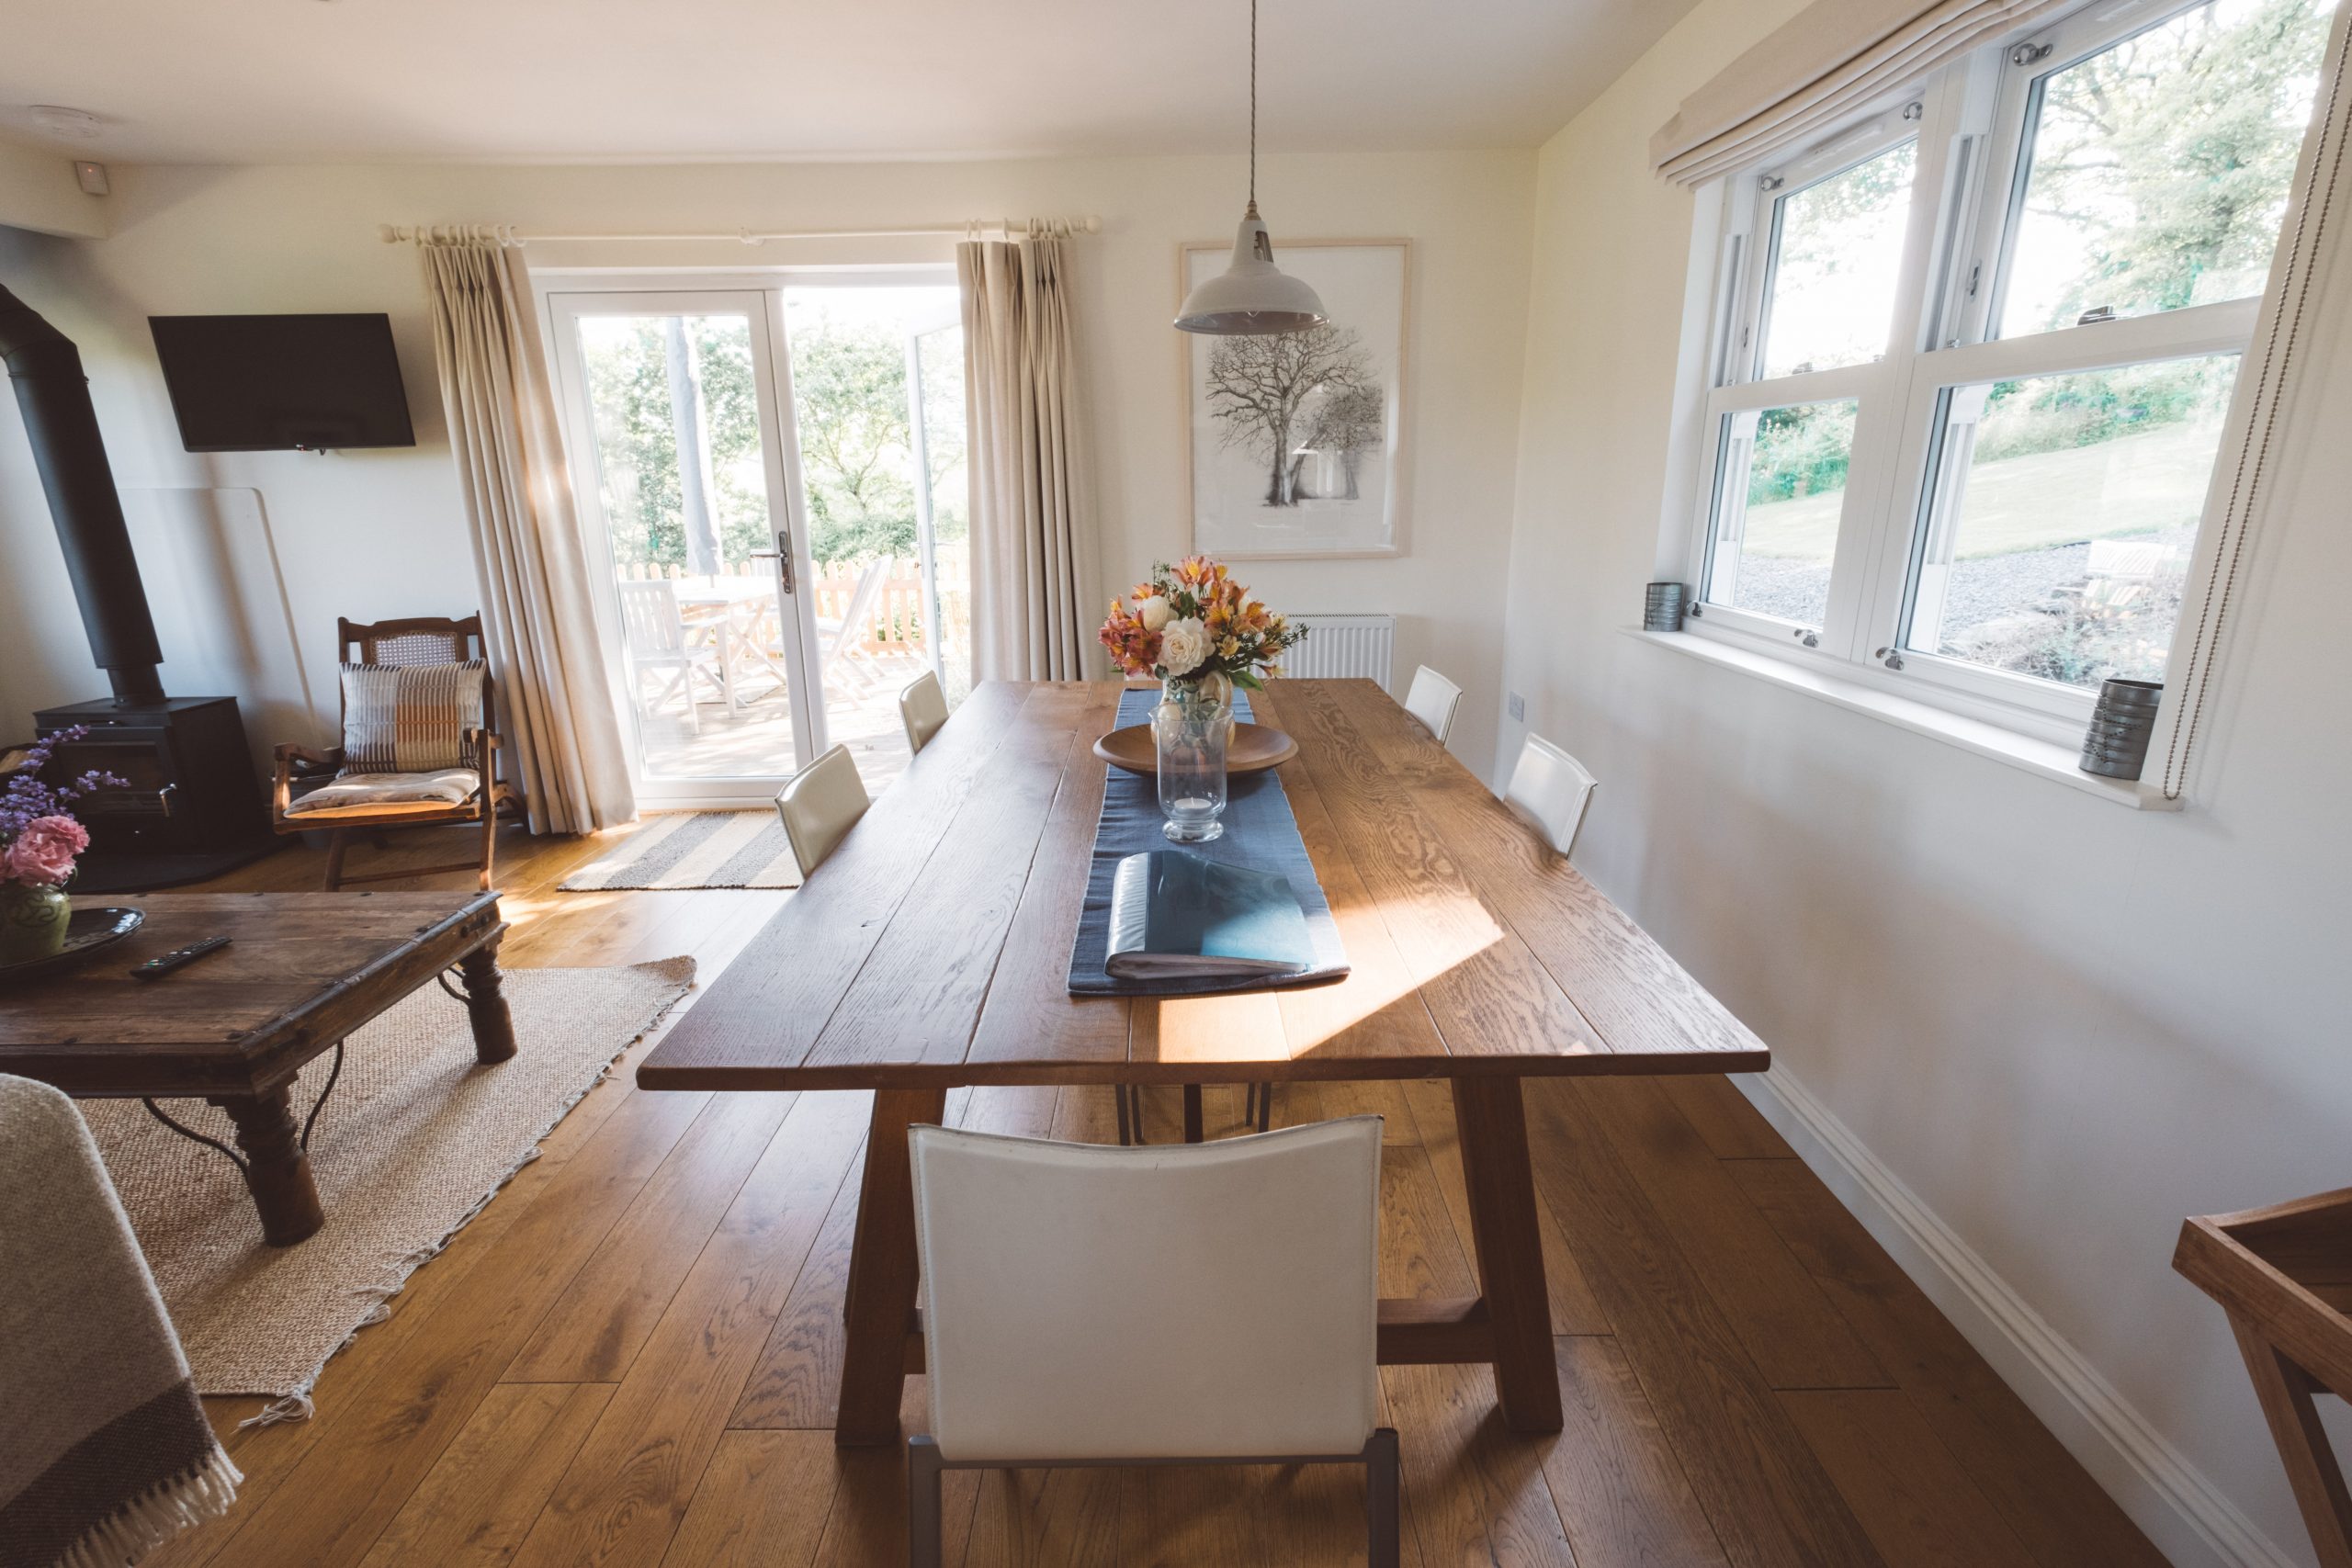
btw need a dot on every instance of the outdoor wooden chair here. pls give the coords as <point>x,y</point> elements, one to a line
<point>2284,1275</point>
<point>318,789</point>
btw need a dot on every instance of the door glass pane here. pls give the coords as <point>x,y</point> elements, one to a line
<point>2157,170</point>
<point>940,360</point>
<point>1836,249</point>
<point>680,472</point>
<point>1781,489</point>
<point>873,496</point>
<point>2065,507</point>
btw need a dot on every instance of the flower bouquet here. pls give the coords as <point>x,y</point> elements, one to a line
<point>1197,632</point>
<point>1192,623</point>
<point>39,842</point>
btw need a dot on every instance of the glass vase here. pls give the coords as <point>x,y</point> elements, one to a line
<point>33,920</point>
<point>1190,732</point>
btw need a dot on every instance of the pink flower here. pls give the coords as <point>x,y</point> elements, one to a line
<point>43,852</point>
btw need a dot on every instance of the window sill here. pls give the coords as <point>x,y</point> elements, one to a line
<point>2023,752</point>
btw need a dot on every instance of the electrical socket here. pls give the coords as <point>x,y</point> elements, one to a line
<point>1518,705</point>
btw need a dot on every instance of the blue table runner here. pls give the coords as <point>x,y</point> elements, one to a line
<point>1260,832</point>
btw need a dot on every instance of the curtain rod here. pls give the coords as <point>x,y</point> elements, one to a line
<point>508,234</point>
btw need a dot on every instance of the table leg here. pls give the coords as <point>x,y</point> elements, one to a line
<point>882,1272</point>
<point>486,1004</point>
<point>1505,1230</point>
<point>277,1172</point>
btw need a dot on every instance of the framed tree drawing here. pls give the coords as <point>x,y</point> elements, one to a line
<point>1295,437</point>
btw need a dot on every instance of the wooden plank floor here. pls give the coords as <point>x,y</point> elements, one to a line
<point>628,1359</point>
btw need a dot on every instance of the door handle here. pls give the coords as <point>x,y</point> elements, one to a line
<point>782,555</point>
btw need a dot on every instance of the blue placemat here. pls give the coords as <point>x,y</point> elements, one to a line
<point>1260,832</point>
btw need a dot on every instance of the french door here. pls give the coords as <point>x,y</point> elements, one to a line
<point>684,467</point>
<point>771,486</point>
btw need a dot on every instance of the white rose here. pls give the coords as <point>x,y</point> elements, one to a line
<point>1155,611</point>
<point>1182,646</point>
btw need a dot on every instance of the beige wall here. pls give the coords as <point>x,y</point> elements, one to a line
<point>374,534</point>
<point>2063,1025</point>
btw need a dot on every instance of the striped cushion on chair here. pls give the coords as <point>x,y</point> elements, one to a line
<point>409,718</point>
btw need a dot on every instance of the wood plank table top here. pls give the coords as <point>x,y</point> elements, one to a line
<point>301,970</point>
<point>932,949</point>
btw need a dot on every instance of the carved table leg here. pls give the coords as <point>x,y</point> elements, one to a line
<point>277,1170</point>
<point>486,1004</point>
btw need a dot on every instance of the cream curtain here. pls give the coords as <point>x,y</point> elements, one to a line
<point>1825,61</point>
<point>563,742</point>
<point>1033,525</point>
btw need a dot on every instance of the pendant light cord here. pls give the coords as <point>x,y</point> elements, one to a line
<point>1254,106</point>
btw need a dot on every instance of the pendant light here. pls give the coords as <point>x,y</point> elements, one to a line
<point>1252,296</point>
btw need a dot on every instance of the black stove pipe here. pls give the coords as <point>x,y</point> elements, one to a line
<point>54,395</point>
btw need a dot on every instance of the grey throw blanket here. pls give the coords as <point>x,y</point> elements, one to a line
<point>105,1452</point>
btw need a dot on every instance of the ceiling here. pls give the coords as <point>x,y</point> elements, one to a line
<point>318,81</point>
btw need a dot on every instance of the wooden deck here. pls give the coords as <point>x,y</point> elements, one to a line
<point>628,1358</point>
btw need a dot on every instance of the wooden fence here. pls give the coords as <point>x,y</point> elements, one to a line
<point>894,624</point>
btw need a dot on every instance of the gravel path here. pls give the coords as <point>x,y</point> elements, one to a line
<point>1981,590</point>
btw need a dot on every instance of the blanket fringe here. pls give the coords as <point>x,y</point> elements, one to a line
<point>202,1492</point>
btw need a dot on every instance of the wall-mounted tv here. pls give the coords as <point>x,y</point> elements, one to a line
<point>275,383</point>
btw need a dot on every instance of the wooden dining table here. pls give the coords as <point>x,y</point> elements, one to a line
<point>932,952</point>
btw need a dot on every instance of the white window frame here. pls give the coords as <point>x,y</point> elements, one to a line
<point>1970,119</point>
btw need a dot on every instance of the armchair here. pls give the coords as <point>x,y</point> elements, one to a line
<point>317,788</point>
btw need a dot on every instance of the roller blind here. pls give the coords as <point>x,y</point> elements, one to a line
<point>1826,61</point>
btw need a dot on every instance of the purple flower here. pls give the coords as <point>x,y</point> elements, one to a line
<point>27,800</point>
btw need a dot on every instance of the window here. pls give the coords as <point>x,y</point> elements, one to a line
<point>1975,351</point>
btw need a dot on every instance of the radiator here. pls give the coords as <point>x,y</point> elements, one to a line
<point>1340,646</point>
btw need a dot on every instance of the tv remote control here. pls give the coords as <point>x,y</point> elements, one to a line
<point>165,963</point>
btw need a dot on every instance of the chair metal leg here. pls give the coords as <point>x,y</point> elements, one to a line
<point>924,1546</point>
<point>1383,1490</point>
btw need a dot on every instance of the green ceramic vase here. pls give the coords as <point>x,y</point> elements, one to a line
<point>33,920</point>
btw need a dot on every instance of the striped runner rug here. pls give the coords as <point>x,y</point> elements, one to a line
<point>680,850</point>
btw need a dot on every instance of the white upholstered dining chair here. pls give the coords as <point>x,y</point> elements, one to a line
<point>819,805</point>
<point>923,708</point>
<point>1431,698</point>
<point>1185,1304</point>
<point>1551,789</point>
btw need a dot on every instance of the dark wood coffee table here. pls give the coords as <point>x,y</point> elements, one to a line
<point>301,971</point>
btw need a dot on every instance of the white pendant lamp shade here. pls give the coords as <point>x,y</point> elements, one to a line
<point>1252,296</point>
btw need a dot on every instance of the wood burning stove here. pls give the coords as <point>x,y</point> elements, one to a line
<point>194,805</point>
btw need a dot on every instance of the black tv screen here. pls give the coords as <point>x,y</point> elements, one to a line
<point>270,383</point>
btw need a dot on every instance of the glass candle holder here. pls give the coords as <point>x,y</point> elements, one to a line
<point>1190,732</point>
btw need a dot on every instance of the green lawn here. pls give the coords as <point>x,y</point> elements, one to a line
<point>2138,484</point>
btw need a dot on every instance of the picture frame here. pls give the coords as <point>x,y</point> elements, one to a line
<point>1334,401</point>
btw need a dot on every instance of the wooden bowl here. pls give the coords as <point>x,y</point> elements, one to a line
<point>1253,748</point>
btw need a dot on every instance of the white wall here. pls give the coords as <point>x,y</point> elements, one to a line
<point>2062,1024</point>
<point>377,534</point>
<point>39,190</point>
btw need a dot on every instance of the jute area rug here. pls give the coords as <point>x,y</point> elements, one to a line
<point>679,849</point>
<point>416,1139</point>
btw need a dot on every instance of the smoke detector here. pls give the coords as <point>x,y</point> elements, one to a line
<point>75,124</point>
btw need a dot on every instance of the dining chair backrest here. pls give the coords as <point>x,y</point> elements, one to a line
<point>923,708</point>
<point>860,609</point>
<point>1156,1302</point>
<point>649,618</point>
<point>1431,698</point>
<point>819,805</point>
<point>1551,789</point>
